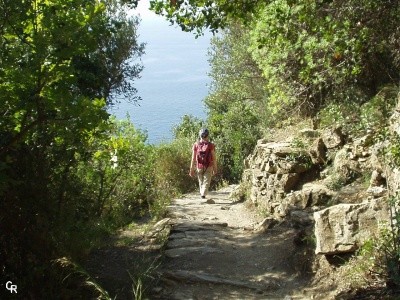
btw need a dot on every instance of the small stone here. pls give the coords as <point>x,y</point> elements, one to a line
<point>365,154</point>
<point>210,201</point>
<point>266,224</point>
<point>376,191</point>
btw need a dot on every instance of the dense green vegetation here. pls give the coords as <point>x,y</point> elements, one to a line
<point>70,174</point>
<point>62,64</point>
<point>275,61</point>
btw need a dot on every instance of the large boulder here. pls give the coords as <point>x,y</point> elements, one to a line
<point>345,227</point>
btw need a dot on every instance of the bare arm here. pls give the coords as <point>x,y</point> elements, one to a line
<point>192,163</point>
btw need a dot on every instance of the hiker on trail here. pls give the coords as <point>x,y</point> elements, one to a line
<point>203,161</point>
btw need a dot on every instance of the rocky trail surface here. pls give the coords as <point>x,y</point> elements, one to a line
<point>216,248</point>
<point>219,249</point>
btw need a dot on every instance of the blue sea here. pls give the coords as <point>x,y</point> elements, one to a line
<point>174,81</point>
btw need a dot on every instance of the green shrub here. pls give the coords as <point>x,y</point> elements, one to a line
<point>355,117</point>
<point>375,113</point>
<point>188,128</point>
<point>115,179</point>
<point>313,53</point>
<point>339,114</point>
<point>172,163</point>
<point>235,133</point>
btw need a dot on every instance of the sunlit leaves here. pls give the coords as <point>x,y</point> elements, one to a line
<point>41,45</point>
<point>311,49</point>
<point>188,128</point>
<point>197,15</point>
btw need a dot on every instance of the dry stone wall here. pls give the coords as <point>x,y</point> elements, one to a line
<point>275,171</point>
<point>322,186</point>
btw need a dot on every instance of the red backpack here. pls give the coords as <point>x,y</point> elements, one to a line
<point>204,153</point>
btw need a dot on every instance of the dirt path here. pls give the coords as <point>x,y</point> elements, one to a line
<point>215,251</point>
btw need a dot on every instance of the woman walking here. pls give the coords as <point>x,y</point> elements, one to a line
<point>203,161</point>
